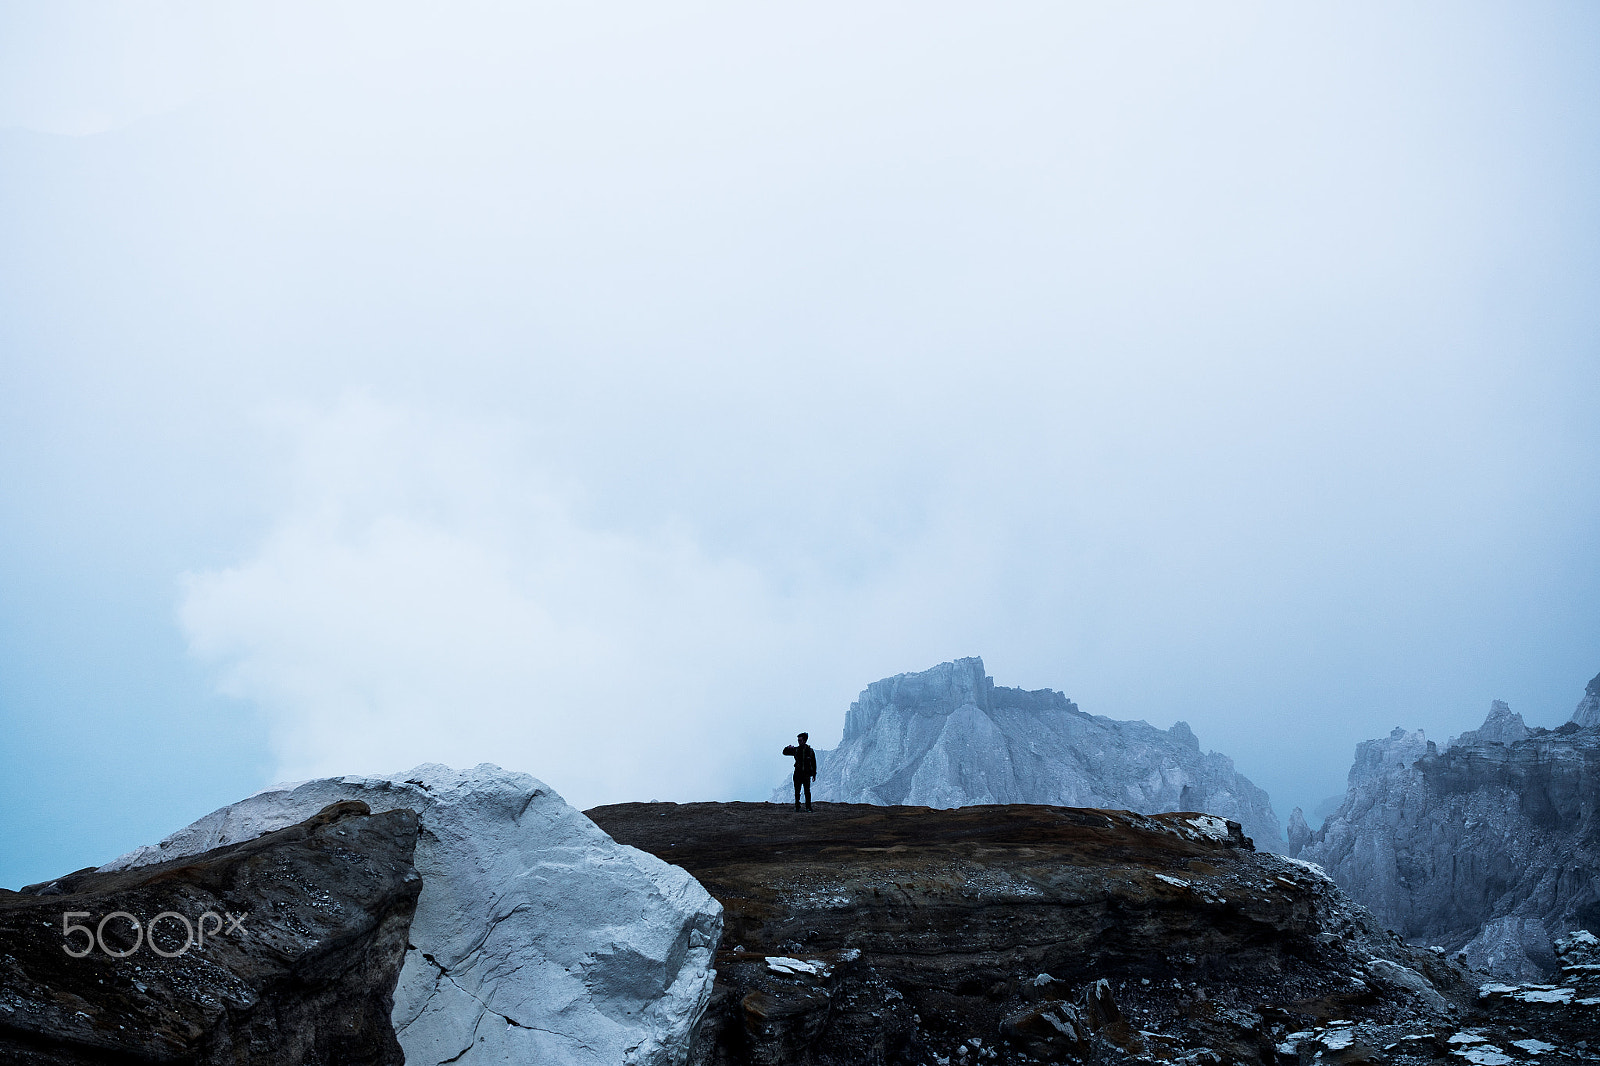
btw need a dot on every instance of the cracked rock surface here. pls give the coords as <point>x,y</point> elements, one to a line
<point>303,933</point>
<point>537,938</point>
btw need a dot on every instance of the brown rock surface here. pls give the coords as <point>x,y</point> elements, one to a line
<point>298,963</point>
<point>867,934</point>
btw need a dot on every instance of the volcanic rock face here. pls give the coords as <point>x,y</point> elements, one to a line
<point>949,737</point>
<point>869,935</point>
<point>1494,841</point>
<point>537,938</point>
<point>302,934</point>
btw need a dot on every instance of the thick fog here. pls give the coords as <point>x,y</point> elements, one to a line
<point>610,392</point>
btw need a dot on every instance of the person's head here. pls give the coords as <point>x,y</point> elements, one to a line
<point>803,737</point>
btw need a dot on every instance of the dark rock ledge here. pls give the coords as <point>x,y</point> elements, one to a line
<point>908,936</point>
<point>304,935</point>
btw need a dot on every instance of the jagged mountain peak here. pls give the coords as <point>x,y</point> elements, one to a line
<point>941,691</point>
<point>1299,831</point>
<point>1486,846</point>
<point>1588,711</point>
<point>1395,752</point>
<point>1501,726</point>
<point>949,736</point>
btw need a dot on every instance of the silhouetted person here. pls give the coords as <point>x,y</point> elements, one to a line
<point>805,769</point>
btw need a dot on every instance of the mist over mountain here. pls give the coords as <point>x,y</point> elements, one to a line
<point>950,737</point>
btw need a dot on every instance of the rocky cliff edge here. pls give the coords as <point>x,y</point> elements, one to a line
<point>909,936</point>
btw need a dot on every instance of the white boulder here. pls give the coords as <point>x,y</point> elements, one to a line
<point>1514,948</point>
<point>537,938</point>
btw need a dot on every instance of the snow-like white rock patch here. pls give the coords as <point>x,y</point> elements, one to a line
<point>1180,882</point>
<point>1291,1043</point>
<point>1533,1047</point>
<point>1485,1055</point>
<point>1528,993</point>
<point>1210,827</point>
<point>796,967</point>
<point>1310,867</point>
<point>537,937</point>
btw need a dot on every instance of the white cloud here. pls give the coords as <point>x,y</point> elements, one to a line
<point>425,595</point>
<point>1202,365</point>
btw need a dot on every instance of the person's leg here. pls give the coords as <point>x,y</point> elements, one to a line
<point>797,792</point>
<point>808,793</point>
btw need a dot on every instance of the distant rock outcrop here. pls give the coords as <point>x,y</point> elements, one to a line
<point>1299,832</point>
<point>1491,846</point>
<point>1503,726</point>
<point>1377,759</point>
<point>1588,712</point>
<point>279,951</point>
<point>949,737</point>
<point>537,937</point>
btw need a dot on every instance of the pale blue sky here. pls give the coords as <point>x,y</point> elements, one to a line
<point>610,392</point>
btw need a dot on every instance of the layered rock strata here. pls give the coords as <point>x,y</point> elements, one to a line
<point>301,937</point>
<point>950,737</point>
<point>537,938</point>
<point>1012,934</point>
<point>1491,846</point>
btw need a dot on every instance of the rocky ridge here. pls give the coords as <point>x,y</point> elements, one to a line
<point>909,936</point>
<point>536,937</point>
<point>950,737</point>
<point>301,936</point>
<point>1490,847</point>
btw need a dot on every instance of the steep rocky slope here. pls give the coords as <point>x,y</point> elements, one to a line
<point>537,938</point>
<point>302,934</point>
<point>904,935</point>
<point>1491,846</point>
<point>950,737</point>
